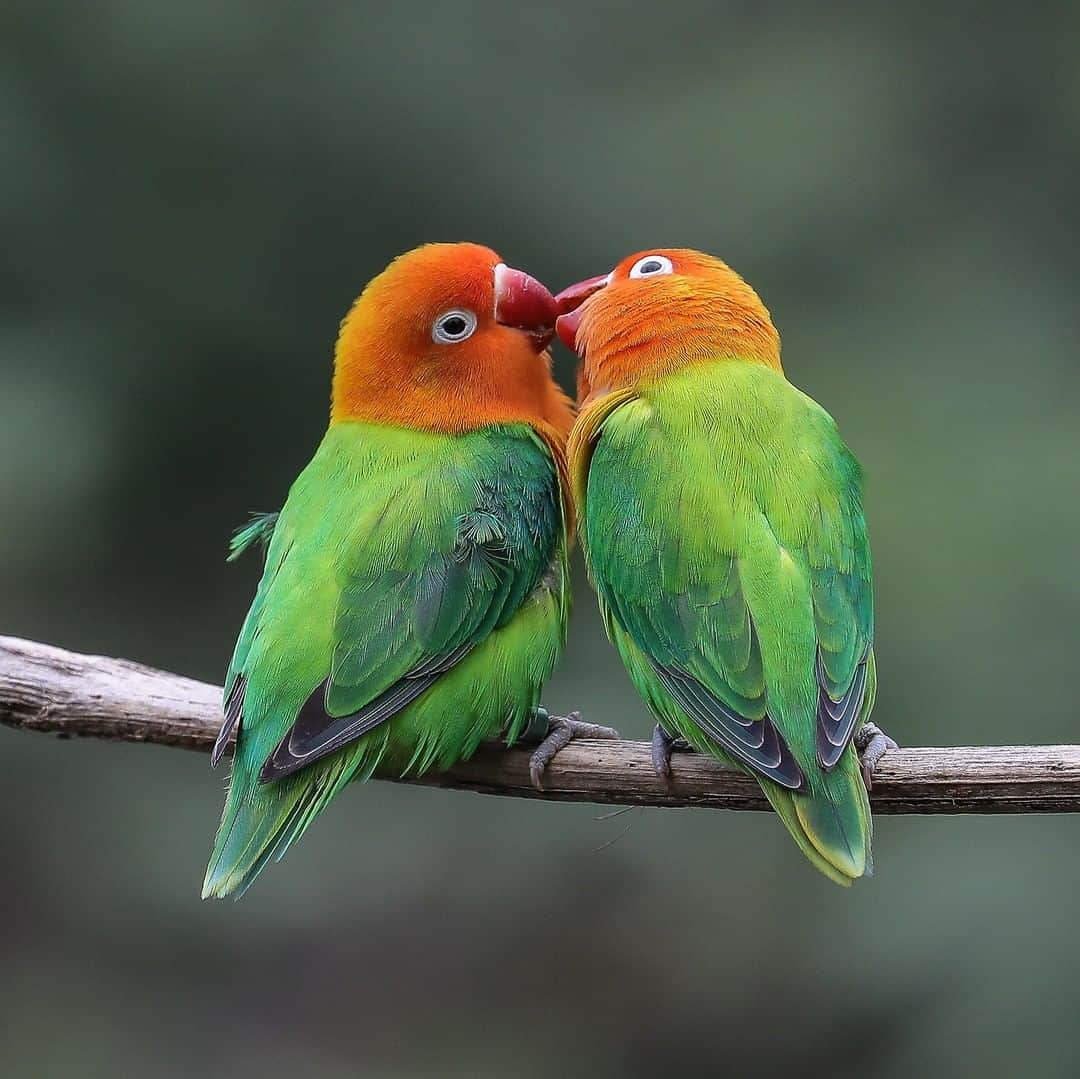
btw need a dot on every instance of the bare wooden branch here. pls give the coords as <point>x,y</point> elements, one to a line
<point>43,688</point>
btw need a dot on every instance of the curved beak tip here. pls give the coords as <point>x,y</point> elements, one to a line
<point>566,327</point>
<point>524,304</point>
<point>568,304</point>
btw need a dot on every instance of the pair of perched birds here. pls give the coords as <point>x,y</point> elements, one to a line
<point>416,591</point>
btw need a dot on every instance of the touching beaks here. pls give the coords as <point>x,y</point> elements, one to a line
<point>568,304</point>
<point>524,304</point>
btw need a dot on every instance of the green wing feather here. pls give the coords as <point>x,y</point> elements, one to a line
<point>724,531</point>
<point>402,562</point>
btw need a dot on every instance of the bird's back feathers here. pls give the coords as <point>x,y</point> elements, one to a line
<point>722,521</point>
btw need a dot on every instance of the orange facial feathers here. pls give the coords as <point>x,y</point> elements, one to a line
<point>449,339</point>
<point>631,326</point>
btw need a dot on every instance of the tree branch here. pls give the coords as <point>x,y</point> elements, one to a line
<point>64,693</point>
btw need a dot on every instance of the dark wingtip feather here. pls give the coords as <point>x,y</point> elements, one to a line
<point>836,719</point>
<point>756,743</point>
<point>316,733</point>
<point>234,707</point>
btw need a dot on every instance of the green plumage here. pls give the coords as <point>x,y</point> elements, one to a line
<point>259,529</point>
<point>401,559</point>
<point>724,531</point>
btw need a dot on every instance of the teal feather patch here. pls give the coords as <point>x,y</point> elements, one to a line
<point>259,529</point>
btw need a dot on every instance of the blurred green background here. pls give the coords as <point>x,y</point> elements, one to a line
<point>191,195</point>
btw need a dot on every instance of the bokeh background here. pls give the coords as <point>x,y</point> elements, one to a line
<point>192,193</point>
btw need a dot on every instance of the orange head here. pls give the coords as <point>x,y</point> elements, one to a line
<point>659,311</point>
<point>448,338</point>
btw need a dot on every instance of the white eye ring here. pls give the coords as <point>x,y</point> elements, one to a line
<point>453,326</point>
<point>651,266</point>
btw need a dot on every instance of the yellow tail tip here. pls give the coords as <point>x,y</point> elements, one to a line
<point>842,844</point>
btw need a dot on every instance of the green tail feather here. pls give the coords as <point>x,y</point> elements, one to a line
<point>832,823</point>
<point>263,820</point>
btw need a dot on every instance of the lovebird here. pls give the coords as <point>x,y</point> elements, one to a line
<point>415,591</point>
<point>722,522</point>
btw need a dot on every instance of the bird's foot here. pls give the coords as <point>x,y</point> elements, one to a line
<point>871,743</point>
<point>555,734</point>
<point>663,745</point>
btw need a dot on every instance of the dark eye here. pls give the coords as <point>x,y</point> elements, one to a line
<point>453,326</point>
<point>651,266</point>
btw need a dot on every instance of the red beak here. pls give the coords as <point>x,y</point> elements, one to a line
<point>524,304</point>
<point>568,303</point>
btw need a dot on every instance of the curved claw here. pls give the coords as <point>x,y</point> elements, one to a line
<point>663,745</point>
<point>562,730</point>
<point>872,743</point>
<point>661,753</point>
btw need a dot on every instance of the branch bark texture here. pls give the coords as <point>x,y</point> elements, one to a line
<point>54,691</point>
